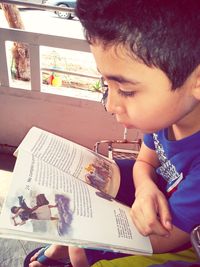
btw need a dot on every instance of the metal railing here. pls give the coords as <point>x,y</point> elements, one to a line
<point>34,41</point>
<point>37,6</point>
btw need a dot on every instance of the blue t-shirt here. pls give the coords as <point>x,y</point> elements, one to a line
<point>179,176</point>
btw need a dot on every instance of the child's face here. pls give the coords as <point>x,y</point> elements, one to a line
<point>140,96</point>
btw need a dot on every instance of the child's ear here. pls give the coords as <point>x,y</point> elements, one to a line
<point>196,87</point>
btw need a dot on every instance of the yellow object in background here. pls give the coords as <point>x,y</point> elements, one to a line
<point>56,81</point>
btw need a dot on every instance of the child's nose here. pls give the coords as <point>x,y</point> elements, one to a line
<point>113,103</point>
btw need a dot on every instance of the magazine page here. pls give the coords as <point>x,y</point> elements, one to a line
<point>48,205</point>
<point>73,159</point>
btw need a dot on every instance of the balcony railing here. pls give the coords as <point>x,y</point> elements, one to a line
<point>34,42</point>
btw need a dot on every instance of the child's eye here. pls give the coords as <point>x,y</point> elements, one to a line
<point>126,93</point>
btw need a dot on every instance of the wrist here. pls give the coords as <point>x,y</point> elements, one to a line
<point>146,185</point>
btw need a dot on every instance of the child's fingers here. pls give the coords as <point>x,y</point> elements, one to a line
<point>147,228</point>
<point>153,225</point>
<point>164,214</point>
<point>147,221</point>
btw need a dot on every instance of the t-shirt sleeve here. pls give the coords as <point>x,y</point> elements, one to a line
<point>185,202</point>
<point>148,140</point>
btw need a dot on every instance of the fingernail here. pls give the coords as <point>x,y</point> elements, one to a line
<point>168,224</point>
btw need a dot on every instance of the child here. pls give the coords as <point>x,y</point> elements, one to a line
<point>148,52</point>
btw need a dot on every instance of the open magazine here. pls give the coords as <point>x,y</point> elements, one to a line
<point>63,193</point>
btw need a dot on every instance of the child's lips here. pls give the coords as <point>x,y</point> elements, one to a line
<point>128,126</point>
<point>125,125</point>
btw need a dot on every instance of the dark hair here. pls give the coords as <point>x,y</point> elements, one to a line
<point>161,33</point>
<point>13,209</point>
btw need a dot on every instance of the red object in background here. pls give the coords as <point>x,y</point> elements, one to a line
<point>50,79</point>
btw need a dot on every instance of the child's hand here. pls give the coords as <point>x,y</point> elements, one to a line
<point>150,212</point>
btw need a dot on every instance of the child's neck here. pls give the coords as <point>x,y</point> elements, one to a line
<point>189,125</point>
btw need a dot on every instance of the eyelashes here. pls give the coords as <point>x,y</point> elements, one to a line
<point>126,93</point>
<point>120,92</point>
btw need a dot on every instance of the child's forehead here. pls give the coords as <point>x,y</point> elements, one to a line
<point>118,63</point>
<point>117,52</point>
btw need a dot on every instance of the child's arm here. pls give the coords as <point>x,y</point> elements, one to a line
<point>150,212</point>
<point>175,240</point>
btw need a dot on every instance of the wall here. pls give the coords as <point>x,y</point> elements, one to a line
<point>79,120</point>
